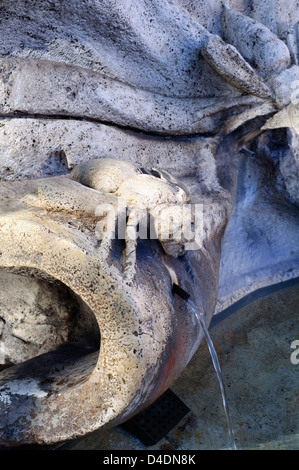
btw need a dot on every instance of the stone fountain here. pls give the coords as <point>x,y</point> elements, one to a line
<point>123,115</point>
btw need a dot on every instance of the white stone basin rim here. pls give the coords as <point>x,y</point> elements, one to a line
<point>142,349</point>
<point>252,297</point>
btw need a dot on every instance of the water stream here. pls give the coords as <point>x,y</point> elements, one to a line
<point>200,318</point>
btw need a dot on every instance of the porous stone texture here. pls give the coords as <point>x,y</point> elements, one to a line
<point>201,90</point>
<point>289,168</point>
<point>260,47</point>
<point>38,316</point>
<point>281,148</point>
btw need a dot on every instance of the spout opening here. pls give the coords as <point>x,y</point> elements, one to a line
<point>46,331</point>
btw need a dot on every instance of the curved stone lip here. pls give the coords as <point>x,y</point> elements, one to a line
<point>134,366</point>
<point>82,333</point>
<point>105,100</point>
<point>74,277</point>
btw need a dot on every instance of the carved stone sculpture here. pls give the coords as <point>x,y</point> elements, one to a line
<point>125,113</point>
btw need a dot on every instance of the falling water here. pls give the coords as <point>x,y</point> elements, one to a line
<point>200,318</point>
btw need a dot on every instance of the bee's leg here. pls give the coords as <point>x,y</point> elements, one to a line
<point>131,245</point>
<point>105,231</point>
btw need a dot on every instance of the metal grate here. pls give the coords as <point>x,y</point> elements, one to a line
<point>156,421</point>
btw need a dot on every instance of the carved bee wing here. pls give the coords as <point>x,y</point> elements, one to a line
<point>259,46</point>
<point>229,63</point>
